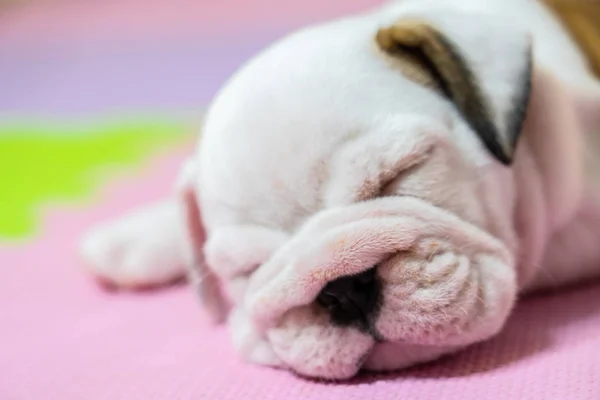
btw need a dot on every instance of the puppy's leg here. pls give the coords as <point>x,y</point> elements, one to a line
<point>150,245</point>
<point>140,249</point>
<point>564,135</point>
<point>573,254</point>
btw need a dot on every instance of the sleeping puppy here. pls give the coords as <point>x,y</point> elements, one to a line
<point>376,192</point>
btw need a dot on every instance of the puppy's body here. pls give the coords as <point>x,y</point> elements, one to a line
<point>324,156</point>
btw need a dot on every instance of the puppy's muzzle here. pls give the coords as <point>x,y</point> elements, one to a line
<point>352,300</point>
<point>309,301</point>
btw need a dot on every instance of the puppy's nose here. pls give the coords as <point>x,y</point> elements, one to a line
<point>352,300</point>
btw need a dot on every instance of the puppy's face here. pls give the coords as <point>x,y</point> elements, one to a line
<point>356,191</point>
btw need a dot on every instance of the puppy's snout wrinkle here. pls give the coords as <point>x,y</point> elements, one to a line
<point>352,300</point>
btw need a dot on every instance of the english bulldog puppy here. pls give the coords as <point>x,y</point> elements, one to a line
<point>377,191</point>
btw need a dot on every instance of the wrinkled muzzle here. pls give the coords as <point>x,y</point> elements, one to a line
<point>352,279</point>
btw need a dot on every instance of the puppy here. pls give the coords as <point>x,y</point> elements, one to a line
<point>375,192</point>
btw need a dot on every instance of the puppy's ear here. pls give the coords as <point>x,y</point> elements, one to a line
<point>199,273</point>
<point>482,65</point>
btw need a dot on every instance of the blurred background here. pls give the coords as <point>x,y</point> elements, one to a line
<point>101,85</point>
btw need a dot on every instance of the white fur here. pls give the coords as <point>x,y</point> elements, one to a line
<point>145,248</point>
<point>298,148</point>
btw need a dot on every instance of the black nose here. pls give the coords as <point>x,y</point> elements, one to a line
<point>352,300</point>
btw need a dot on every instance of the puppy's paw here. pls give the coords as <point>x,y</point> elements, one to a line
<point>142,249</point>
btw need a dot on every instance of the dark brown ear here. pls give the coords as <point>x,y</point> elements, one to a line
<point>483,66</point>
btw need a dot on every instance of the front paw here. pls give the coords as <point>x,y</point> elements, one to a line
<point>140,249</point>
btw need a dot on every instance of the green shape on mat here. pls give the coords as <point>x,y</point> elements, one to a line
<point>48,161</point>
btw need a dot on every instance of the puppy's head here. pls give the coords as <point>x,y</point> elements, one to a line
<point>356,189</point>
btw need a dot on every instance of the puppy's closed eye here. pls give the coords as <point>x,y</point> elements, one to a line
<point>367,165</point>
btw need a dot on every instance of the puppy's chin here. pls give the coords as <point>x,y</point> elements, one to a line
<point>309,344</point>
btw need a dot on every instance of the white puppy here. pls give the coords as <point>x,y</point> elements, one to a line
<point>375,192</point>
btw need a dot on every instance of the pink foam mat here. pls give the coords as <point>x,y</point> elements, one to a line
<point>65,338</point>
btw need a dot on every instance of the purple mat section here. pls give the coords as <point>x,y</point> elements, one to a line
<point>174,75</point>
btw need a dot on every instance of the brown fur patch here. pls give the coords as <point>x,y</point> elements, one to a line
<point>413,66</point>
<point>581,18</point>
<point>421,38</point>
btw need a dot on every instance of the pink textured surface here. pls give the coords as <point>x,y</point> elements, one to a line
<point>64,338</point>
